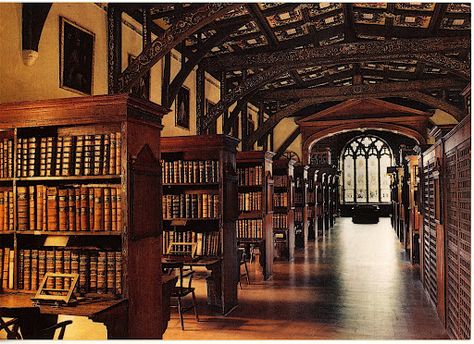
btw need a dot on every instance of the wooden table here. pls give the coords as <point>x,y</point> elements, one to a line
<point>111,312</point>
<point>213,264</point>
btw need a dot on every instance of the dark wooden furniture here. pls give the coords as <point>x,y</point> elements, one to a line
<point>326,197</point>
<point>253,160</point>
<point>301,206</point>
<point>311,203</point>
<point>220,149</point>
<point>457,222</point>
<point>283,215</point>
<point>365,214</point>
<point>180,291</point>
<point>136,310</point>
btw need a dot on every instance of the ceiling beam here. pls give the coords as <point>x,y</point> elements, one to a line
<point>307,97</point>
<point>386,88</point>
<point>189,23</point>
<point>287,143</point>
<point>263,24</point>
<point>194,59</point>
<point>338,53</point>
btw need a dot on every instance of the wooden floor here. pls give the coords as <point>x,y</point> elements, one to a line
<point>352,284</point>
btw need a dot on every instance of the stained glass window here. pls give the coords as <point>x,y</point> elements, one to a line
<point>365,160</point>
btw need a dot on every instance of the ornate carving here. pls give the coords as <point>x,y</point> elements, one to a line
<point>369,51</point>
<point>380,88</point>
<point>240,91</point>
<point>189,23</point>
<point>199,100</point>
<point>456,67</point>
<point>287,143</point>
<point>114,41</point>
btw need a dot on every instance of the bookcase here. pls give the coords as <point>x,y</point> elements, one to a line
<point>200,203</point>
<point>283,209</point>
<point>311,203</point>
<point>255,223</point>
<point>81,193</point>
<point>301,205</point>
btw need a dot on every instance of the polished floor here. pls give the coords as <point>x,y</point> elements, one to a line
<point>354,283</point>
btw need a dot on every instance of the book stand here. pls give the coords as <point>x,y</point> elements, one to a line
<point>56,296</point>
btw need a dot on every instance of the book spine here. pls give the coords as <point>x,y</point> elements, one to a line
<point>93,272</point>
<point>39,207</point>
<point>59,156</point>
<point>26,269</point>
<point>77,207</point>
<point>62,209</point>
<point>66,156</point>
<point>31,156</point>
<point>50,151</point>
<point>83,272</point>
<point>41,264</point>
<point>44,194</point>
<point>98,154</point>
<point>43,152</point>
<point>78,161</point>
<point>67,268</point>
<point>113,197</point>
<point>119,210</point>
<point>24,153</point>
<point>107,210</point>
<point>84,196</point>
<point>50,283</point>
<point>113,154</point>
<point>2,211</point>
<point>118,273</point>
<point>23,218</point>
<point>101,273</point>
<point>118,153</point>
<point>71,208</point>
<point>91,210</point>
<point>32,207</point>
<point>75,266</point>
<point>21,265</point>
<point>59,268</point>
<point>52,204</point>
<point>106,155</point>
<point>98,209</point>
<point>111,272</point>
<point>88,154</point>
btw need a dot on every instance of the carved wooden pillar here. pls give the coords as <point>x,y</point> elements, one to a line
<point>244,123</point>
<point>114,36</point>
<point>200,96</point>
<point>33,18</point>
<point>165,83</point>
<point>225,112</point>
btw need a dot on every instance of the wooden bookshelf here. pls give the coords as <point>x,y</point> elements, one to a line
<point>212,229</point>
<point>326,197</point>
<point>283,209</point>
<point>124,157</point>
<point>247,164</point>
<point>301,206</point>
<point>311,203</point>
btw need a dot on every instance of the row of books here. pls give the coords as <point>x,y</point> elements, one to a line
<point>299,198</point>
<point>280,221</point>
<point>299,182</point>
<point>191,206</point>
<point>250,201</point>
<point>250,175</point>
<point>81,155</point>
<point>190,171</point>
<point>280,181</point>
<point>280,199</point>
<point>250,229</point>
<point>207,244</point>
<point>310,198</point>
<point>99,271</point>
<point>6,267</point>
<point>50,208</point>
<point>6,158</point>
<point>6,211</point>
<point>310,212</point>
<point>298,215</point>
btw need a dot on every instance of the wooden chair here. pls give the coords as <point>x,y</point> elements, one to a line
<point>12,327</point>
<point>241,258</point>
<point>180,291</point>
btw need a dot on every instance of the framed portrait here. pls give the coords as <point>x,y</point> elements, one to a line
<point>182,108</point>
<point>76,57</point>
<point>142,88</point>
<point>212,129</point>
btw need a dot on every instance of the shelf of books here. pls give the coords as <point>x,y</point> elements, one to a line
<point>71,171</point>
<point>326,197</point>
<point>255,223</point>
<point>301,205</point>
<point>311,202</point>
<point>199,203</point>
<point>283,209</point>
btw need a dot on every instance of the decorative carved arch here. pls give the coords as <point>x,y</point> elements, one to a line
<point>317,136</point>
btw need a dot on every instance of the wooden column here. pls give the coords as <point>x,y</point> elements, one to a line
<point>200,98</point>
<point>114,45</point>
<point>223,90</point>
<point>165,83</point>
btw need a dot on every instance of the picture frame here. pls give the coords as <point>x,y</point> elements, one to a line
<point>76,57</point>
<point>182,108</point>
<point>142,88</point>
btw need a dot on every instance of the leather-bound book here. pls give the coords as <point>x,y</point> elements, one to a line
<point>71,209</point>
<point>98,209</point>
<point>111,272</point>
<point>22,212</point>
<point>93,260</point>
<point>62,209</point>
<point>52,204</point>
<point>59,268</point>
<point>50,283</point>
<point>32,207</point>
<point>102,273</point>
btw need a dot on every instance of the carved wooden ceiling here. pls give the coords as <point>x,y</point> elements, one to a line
<point>257,28</point>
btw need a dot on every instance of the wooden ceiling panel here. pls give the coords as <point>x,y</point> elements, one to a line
<point>412,21</point>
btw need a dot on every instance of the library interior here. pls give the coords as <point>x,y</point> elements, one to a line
<point>244,171</point>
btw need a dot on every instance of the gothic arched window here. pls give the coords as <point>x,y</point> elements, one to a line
<point>364,162</point>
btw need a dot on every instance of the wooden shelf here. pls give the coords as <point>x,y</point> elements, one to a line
<point>68,178</point>
<point>251,215</point>
<point>6,232</point>
<point>70,233</point>
<point>192,219</point>
<point>188,185</point>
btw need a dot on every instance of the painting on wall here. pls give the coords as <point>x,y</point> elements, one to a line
<point>142,88</point>
<point>182,108</point>
<point>76,57</point>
